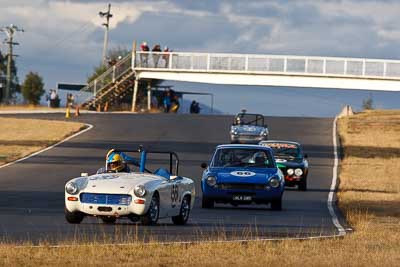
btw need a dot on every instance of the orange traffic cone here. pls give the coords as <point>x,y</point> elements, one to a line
<point>106,107</point>
<point>98,108</point>
<point>68,113</point>
<point>77,113</point>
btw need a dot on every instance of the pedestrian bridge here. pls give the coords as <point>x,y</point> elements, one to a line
<point>248,69</point>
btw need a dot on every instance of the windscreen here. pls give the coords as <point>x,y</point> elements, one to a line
<point>249,119</point>
<point>285,150</point>
<point>241,157</point>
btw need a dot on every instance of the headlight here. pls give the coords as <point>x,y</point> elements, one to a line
<point>71,188</point>
<point>211,180</point>
<point>274,182</point>
<point>139,191</point>
<point>290,171</point>
<point>298,172</point>
<point>264,133</point>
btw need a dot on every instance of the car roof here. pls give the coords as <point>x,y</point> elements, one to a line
<point>280,141</point>
<point>242,146</point>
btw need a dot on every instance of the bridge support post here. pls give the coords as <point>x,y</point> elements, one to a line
<point>149,96</point>
<point>135,90</point>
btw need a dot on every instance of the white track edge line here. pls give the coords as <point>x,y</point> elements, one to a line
<point>89,127</point>
<point>331,202</point>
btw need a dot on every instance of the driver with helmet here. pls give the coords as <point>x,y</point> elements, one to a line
<point>115,162</point>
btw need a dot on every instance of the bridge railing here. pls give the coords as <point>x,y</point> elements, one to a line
<point>273,64</point>
<point>102,81</point>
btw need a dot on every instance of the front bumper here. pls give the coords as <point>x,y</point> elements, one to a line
<point>248,139</point>
<point>293,180</point>
<point>265,195</point>
<point>101,209</point>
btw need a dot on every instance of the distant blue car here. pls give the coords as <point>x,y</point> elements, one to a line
<point>242,174</point>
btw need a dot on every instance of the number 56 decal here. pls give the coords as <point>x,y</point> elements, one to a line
<point>174,195</point>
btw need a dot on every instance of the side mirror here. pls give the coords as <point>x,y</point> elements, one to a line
<point>203,165</point>
<point>305,156</point>
<point>84,174</point>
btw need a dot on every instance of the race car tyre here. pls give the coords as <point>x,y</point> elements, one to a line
<point>276,204</point>
<point>184,212</point>
<point>74,217</point>
<point>108,220</point>
<point>302,186</point>
<point>207,203</point>
<point>151,216</point>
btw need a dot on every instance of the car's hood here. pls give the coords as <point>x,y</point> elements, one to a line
<point>244,175</point>
<point>117,183</point>
<point>248,129</point>
<point>290,163</point>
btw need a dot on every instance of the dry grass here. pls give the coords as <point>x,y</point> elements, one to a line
<point>21,137</point>
<point>369,197</point>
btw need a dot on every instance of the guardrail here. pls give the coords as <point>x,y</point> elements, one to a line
<point>269,64</point>
<point>109,76</point>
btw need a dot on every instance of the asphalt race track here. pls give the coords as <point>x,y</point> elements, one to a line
<point>32,191</point>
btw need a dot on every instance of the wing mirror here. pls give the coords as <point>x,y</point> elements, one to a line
<point>203,165</point>
<point>84,174</point>
<point>305,156</point>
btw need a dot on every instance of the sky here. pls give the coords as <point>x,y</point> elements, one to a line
<point>63,40</point>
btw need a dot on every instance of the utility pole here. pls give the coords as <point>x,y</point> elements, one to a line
<point>107,15</point>
<point>9,30</point>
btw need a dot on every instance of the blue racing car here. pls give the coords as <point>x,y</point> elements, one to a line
<point>242,174</point>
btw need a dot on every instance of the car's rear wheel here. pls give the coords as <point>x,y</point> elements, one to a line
<point>108,220</point>
<point>73,217</point>
<point>184,212</point>
<point>207,203</point>
<point>151,216</point>
<point>302,186</point>
<point>276,204</point>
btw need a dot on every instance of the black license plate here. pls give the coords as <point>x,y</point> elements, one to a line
<point>242,198</point>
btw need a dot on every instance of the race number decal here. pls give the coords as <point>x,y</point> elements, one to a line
<point>174,195</point>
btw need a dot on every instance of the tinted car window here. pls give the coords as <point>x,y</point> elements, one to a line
<point>241,157</point>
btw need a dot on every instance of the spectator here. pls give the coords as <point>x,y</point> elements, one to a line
<point>175,104</point>
<point>54,99</point>
<point>165,56</point>
<point>48,98</point>
<point>196,108</point>
<point>154,102</point>
<point>156,54</point>
<point>144,56</point>
<point>167,101</point>
<point>192,107</point>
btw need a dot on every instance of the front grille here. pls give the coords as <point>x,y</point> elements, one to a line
<point>252,187</point>
<point>110,199</point>
<point>249,136</point>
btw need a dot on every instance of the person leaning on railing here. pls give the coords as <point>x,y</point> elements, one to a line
<point>165,56</point>
<point>156,55</point>
<point>144,57</point>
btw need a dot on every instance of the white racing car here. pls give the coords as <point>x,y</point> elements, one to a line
<point>143,195</point>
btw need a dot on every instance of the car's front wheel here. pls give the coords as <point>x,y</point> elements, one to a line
<point>151,216</point>
<point>276,204</point>
<point>184,212</point>
<point>207,203</point>
<point>73,217</point>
